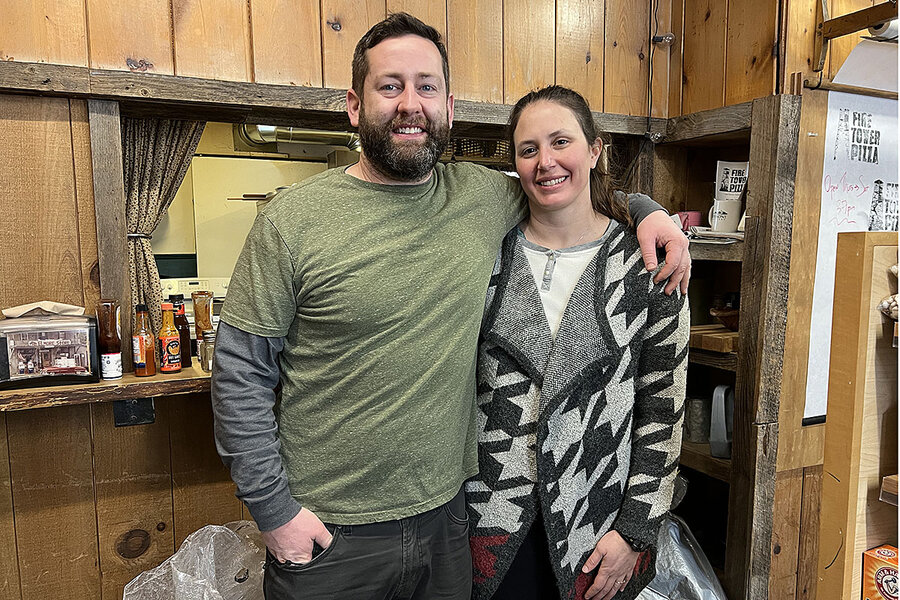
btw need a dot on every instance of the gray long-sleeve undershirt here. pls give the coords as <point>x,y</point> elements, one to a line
<point>245,376</point>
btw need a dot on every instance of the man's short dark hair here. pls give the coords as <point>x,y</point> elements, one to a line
<point>395,25</point>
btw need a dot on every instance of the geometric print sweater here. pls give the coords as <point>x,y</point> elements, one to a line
<point>582,431</point>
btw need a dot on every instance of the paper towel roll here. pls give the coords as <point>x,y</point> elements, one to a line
<point>885,31</point>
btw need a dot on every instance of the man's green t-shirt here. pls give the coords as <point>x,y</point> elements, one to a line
<point>378,292</point>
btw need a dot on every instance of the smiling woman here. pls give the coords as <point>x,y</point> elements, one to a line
<point>589,387</point>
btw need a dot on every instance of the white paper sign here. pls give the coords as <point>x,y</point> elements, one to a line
<point>859,193</point>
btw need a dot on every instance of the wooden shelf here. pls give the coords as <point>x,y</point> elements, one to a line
<point>187,381</point>
<point>727,361</point>
<point>722,252</point>
<point>709,126</point>
<point>179,97</point>
<point>697,457</point>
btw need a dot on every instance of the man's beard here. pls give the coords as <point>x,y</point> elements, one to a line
<point>402,161</point>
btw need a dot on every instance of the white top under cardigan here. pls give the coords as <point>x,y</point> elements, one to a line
<point>556,272</point>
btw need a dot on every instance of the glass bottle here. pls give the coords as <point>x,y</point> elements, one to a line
<point>108,339</point>
<point>169,341</point>
<point>203,311</point>
<point>143,344</point>
<point>207,348</point>
<point>183,327</point>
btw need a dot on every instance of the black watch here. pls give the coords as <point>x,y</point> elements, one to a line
<point>636,545</point>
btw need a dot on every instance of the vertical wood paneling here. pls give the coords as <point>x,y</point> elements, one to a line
<point>202,490</point>
<point>704,55</point>
<point>662,19</point>
<point>39,258</point>
<point>287,43</point>
<point>841,47</point>
<point>53,495</point>
<point>84,200</point>
<point>528,46</point>
<point>212,39</point>
<point>786,534</point>
<point>750,42</point>
<point>431,12</point>
<point>475,45</point>
<point>51,31</point>
<point>9,562</point>
<point>627,58</point>
<point>676,59</point>
<point>130,36</point>
<point>343,23</point>
<point>133,479</point>
<point>807,580</point>
<point>800,34</point>
<point>579,48</point>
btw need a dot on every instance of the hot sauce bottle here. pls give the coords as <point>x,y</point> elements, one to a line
<point>169,342</point>
<point>143,343</point>
<point>183,327</point>
<point>110,342</point>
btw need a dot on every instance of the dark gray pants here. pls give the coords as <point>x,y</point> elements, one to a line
<point>425,557</point>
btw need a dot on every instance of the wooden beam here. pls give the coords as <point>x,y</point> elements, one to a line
<point>44,78</point>
<point>859,20</point>
<point>848,89</point>
<point>751,498</point>
<point>716,121</point>
<point>829,29</point>
<point>109,208</point>
<point>767,253</point>
<point>170,96</point>
<point>764,285</point>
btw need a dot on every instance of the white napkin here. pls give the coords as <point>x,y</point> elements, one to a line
<point>45,307</point>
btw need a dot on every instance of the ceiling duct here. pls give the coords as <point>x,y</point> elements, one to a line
<point>258,135</point>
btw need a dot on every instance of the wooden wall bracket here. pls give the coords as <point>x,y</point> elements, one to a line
<point>828,29</point>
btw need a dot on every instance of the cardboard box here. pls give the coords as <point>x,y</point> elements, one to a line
<point>880,580</point>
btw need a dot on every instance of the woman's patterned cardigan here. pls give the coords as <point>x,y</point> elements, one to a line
<point>609,392</point>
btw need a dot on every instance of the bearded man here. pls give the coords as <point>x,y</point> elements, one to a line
<point>344,380</point>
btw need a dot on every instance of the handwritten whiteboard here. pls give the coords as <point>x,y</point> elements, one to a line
<point>859,193</point>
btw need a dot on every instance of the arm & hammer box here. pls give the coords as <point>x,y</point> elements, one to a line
<point>879,578</point>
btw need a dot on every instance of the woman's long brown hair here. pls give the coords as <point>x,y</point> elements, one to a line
<point>603,197</point>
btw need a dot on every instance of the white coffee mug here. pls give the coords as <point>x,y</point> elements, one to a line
<point>724,215</point>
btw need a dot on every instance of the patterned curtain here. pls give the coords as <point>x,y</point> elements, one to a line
<point>157,154</point>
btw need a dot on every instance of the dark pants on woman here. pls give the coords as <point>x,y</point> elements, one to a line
<point>530,576</point>
<point>425,557</point>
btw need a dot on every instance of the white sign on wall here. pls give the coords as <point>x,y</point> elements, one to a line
<point>859,193</point>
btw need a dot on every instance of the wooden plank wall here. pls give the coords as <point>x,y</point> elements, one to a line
<point>726,52</point>
<point>84,506</point>
<point>499,49</point>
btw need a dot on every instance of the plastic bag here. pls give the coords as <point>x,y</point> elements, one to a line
<point>214,563</point>
<point>682,570</point>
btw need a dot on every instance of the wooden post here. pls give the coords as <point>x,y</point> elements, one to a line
<point>764,286</point>
<point>109,207</point>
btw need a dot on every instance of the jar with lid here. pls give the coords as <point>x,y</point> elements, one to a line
<point>207,347</point>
